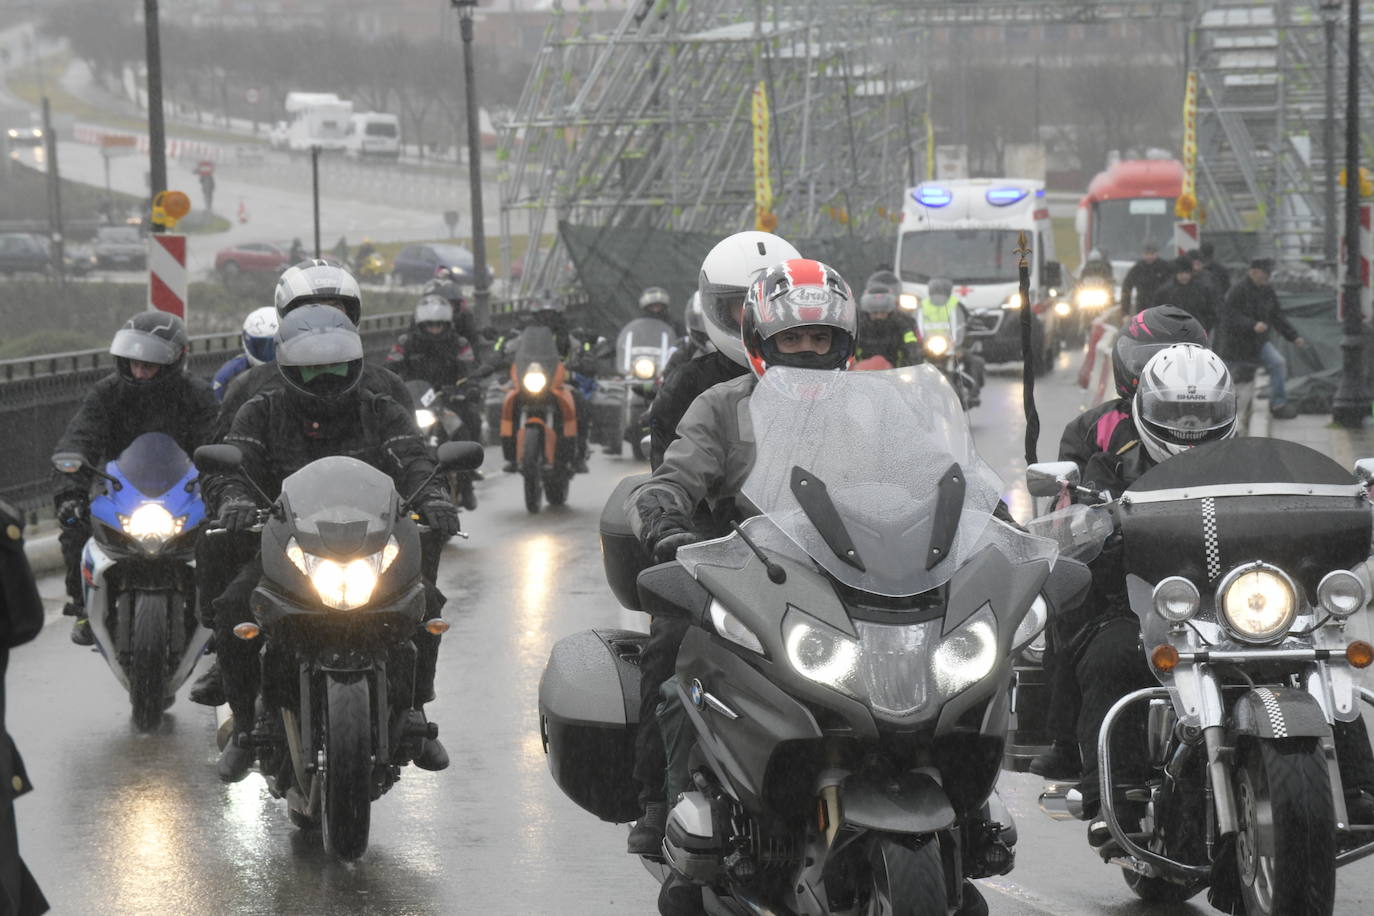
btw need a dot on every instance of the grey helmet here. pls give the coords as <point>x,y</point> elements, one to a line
<point>433,308</point>
<point>549,301</point>
<point>940,289</point>
<point>315,280</point>
<point>883,278</point>
<point>320,356</point>
<point>696,324</point>
<point>878,300</point>
<point>150,337</point>
<point>1185,398</point>
<point>654,302</point>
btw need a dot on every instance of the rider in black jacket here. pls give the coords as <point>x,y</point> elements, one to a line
<point>321,410</point>
<point>149,392</point>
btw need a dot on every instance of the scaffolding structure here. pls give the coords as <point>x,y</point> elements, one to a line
<point>1262,153</point>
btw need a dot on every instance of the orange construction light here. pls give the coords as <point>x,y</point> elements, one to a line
<point>1164,658</point>
<point>247,631</point>
<point>1359,653</point>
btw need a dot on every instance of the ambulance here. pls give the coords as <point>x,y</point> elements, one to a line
<point>966,231</point>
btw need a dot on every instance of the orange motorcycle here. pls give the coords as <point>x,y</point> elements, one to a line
<point>539,419</point>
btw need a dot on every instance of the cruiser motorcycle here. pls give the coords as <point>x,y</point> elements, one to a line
<point>1257,631</point>
<point>844,681</point>
<point>642,351</point>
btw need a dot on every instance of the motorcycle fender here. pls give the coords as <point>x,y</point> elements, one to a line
<point>568,409</point>
<point>910,803</point>
<point>1279,712</point>
<point>508,413</point>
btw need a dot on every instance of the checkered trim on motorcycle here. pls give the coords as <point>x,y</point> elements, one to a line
<point>1274,711</point>
<point>1210,544</point>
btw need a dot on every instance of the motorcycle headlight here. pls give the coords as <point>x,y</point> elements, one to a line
<point>151,524</point>
<point>1062,309</point>
<point>1176,599</point>
<point>1093,297</point>
<point>1341,593</point>
<point>424,418</point>
<point>732,628</point>
<point>1013,301</point>
<point>822,655</point>
<point>343,585</point>
<point>937,345</point>
<point>644,368</point>
<point>908,302</point>
<point>535,379</point>
<point>966,656</point>
<point>1257,602</point>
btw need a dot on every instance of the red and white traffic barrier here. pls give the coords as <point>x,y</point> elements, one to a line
<point>1186,236</point>
<point>1366,256</point>
<point>167,277</point>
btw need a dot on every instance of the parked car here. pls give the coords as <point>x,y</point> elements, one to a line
<point>417,263</point>
<point>19,137</point>
<point>29,252</point>
<point>120,247</point>
<point>251,258</point>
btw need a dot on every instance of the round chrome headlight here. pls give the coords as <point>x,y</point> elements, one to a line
<point>937,345</point>
<point>1341,593</point>
<point>1176,599</point>
<point>644,368</point>
<point>1257,602</point>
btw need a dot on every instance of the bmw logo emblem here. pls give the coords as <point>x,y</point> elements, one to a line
<point>696,692</point>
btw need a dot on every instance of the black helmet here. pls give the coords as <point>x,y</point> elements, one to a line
<point>152,337</point>
<point>320,357</point>
<point>1145,334</point>
<point>315,280</point>
<point>798,293</point>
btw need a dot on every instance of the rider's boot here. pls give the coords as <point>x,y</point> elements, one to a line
<point>208,689</point>
<point>81,630</point>
<point>646,839</point>
<point>1061,761</point>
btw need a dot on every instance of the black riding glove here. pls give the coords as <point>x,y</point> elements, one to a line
<point>70,511</point>
<point>442,516</point>
<point>666,547</point>
<point>238,513</point>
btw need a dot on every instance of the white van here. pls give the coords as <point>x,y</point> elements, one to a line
<point>317,119</point>
<point>373,133</point>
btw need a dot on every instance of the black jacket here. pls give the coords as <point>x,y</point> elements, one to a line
<point>277,440</point>
<point>1196,297</point>
<point>680,388</point>
<point>1141,283</point>
<point>1220,277</point>
<point>114,414</point>
<point>895,338</point>
<point>441,359</point>
<point>260,379</point>
<point>1108,424</point>
<point>1244,306</point>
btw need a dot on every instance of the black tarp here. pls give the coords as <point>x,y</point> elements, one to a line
<point>1314,372</point>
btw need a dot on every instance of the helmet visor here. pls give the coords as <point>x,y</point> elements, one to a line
<point>722,303</point>
<point>131,343</point>
<point>322,348</point>
<point>438,311</point>
<point>1185,417</point>
<point>263,349</point>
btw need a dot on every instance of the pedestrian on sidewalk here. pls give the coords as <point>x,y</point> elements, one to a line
<point>1190,293</point>
<point>1251,309</point>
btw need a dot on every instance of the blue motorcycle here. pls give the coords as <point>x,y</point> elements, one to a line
<point>139,569</point>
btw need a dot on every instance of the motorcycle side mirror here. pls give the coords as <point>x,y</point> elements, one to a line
<point>218,459</point>
<point>1052,273</point>
<point>1364,470</point>
<point>460,456</point>
<point>1048,478</point>
<point>68,462</point>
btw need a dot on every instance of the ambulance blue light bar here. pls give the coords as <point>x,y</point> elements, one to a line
<point>932,196</point>
<point>1005,197</point>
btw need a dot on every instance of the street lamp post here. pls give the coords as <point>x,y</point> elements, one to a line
<point>1350,406</point>
<point>1331,13</point>
<point>481,292</point>
<point>157,138</point>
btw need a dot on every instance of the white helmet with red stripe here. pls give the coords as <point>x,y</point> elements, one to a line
<point>726,273</point>
<point>795,294</point>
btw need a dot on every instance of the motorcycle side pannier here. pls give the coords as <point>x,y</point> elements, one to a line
<point>588,717</point>
<point>621,553</point>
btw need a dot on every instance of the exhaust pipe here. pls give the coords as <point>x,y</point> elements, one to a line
<point>1062,802</point>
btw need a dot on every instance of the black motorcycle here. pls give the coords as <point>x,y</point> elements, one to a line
<point>642,351</point>
<point>446,414</point>
<point>340,596</point>
<point>844,683</point>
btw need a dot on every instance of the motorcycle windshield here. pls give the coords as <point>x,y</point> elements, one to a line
<point>644,338</point>
<point>421,393</point>
<point>536,345</point>
<point>1078,531</point>
<point>344,502</point>
<point>153,464</point>
<point>873,474</point>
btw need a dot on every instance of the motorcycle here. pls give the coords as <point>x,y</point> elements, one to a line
<point>845,677</point>
<point>1093,298</point>
<point>371,269</point>
<point>139,569</point>
<point>1256,634</point>
<point>439,414</point>
<point>642,351</point>
<point>944,348</point>
<point>539,413</point>
<point>341,593</point>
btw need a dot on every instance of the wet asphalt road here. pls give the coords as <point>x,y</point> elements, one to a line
<point>123,823</point>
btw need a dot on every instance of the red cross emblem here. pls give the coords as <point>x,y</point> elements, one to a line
<point>963,290</point>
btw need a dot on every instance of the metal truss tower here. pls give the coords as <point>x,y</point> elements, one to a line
<point>650,125</point>
<point>1262,156</point>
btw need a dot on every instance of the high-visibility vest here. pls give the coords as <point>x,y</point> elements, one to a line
<point>938,319</point>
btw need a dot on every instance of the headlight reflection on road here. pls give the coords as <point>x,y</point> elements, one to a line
<point>537,559</point>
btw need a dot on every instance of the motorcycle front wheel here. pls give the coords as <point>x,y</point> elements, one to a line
<point>148,664</point>
<point>532,467</point>
<point>903,881</point>
<point>1286,844</point>
<point>347,790</point>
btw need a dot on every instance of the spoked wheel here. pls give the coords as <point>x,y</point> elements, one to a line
<point>532,466</point>
<point>148,666</point>
<point>903,881</point>
<point>347,789</point>
<point>1286,845</point>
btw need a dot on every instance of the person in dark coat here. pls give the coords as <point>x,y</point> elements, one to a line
<point>1217,273</point>
<point>1248,314</point>
<point>21,619</point>
<point>1144,278</point>
<point>1190,293</point>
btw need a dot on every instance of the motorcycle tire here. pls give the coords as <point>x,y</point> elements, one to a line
<point>347,789</point>
<point>148,661</point>
<point>1289,778</point>
<point>556,488</point>
<point>903,881</point>
<point>532,467</point>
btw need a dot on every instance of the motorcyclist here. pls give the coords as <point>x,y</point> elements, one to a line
<point>464,320</point>
<point>655,303</point>
<point>1143,280</point>
<point>551,312</point>
<point>365,250</point>
<point>940,310</point>
<point>695,343</point>
<point>149,392</point>
<point>259,342</point>
<point>434,351</point>
<point>725,276</point>
<point>1097,268</point>
<point>321,409</point>
<point>709,462</point>
<point>884,329</point>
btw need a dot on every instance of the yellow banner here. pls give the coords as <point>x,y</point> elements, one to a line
<point>763,187</point>
<point>930,138</point>
<point>1187,201</point>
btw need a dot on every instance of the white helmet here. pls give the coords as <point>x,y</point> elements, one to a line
<point>726,274</point>
<point>1185,398</point>
<point>259,335</point>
